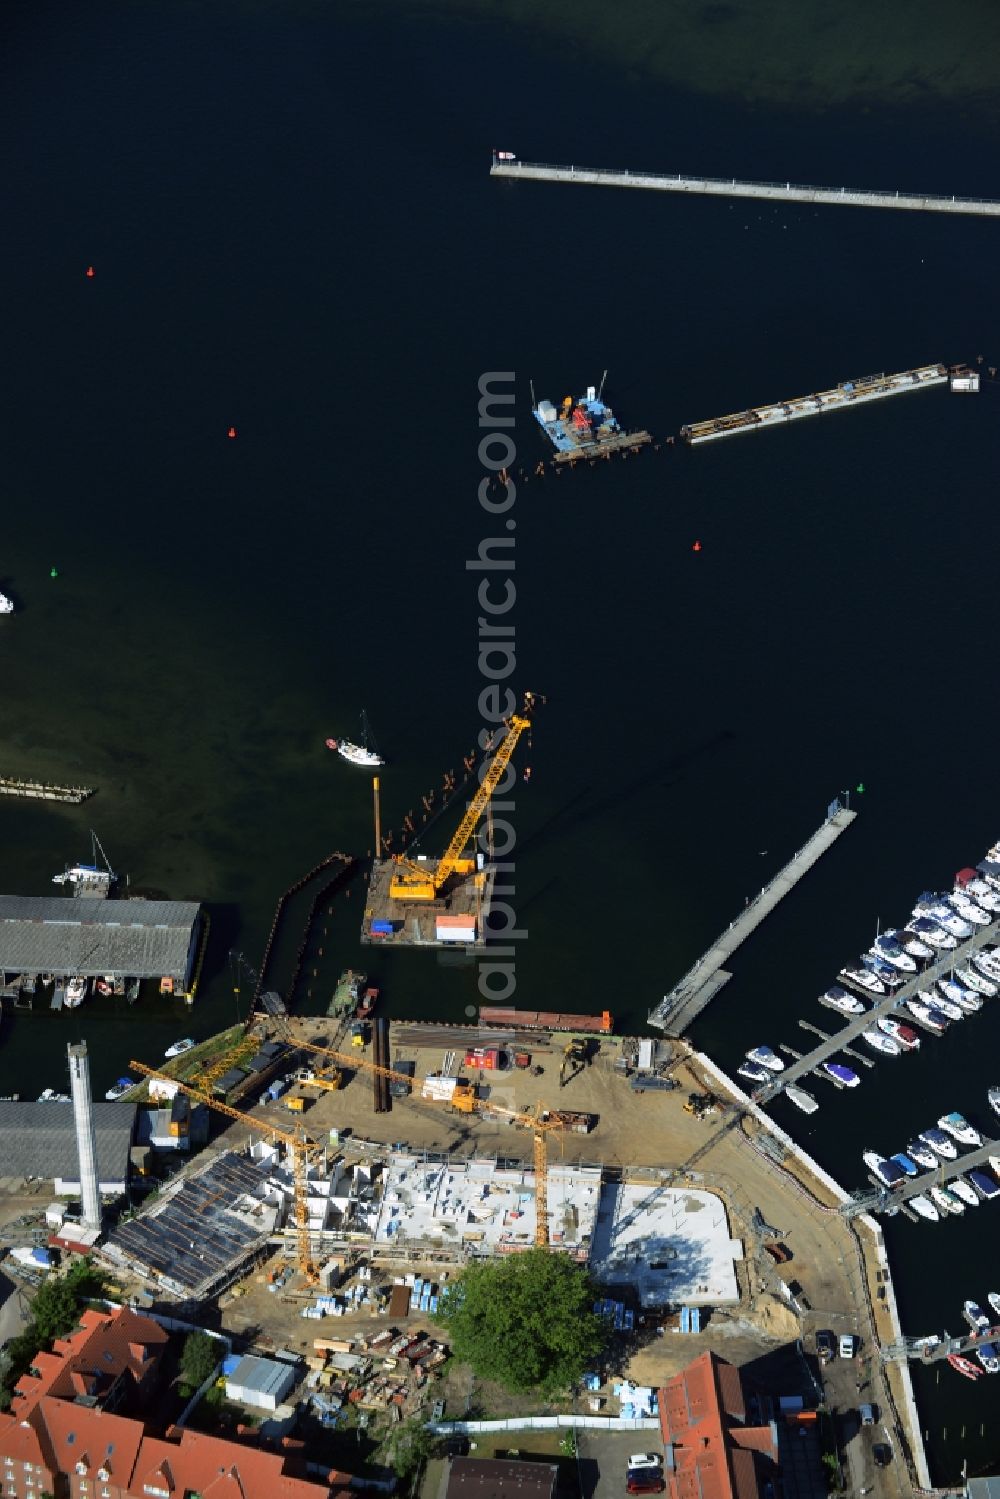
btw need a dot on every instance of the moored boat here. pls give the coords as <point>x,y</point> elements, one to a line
<point>887,1172</point>
<point>977,981</point>
<point>839,999</point>
<point>946,1006</point>
<point>879,1041</point>
<point>928,1015</point>
<point>939,1143</point>
<point>910,1167</point>
<point>179,1047</point>
<point>965,1191</point>
<point>994,1097</point>
<point>6,604</point>
<point>118,1089</point>
<point>767,1058</point>
<point>963,1366</point>
<point>922,1154</point>
<point>928,931</point>
<point>987,1355</point>
<point>975,1316</point>
<point>924,1207</point>
<point>840,1074</point>
<point>755,1072</point>
<point>960,1129</point>
<point>907,1038</point>
<point>994,1301</point>
<point>805,1101</point>
<point>357,754</point>
<point>864,978</point>
<point>987,1187</point>
<point>943,1199</point>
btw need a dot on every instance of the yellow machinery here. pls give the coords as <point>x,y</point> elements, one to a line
<point>465,1101</point>
<point>297,1146</point>
<point>574,1061</point>
<point>414,881</point>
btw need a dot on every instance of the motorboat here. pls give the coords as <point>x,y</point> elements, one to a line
<point>994,1301</point>
<point>973,979</point>
<point>755,1072</point>
<point>995,1164</point>
<point>987,961</point>
<point>960,1129</point>
<point>923,1205</point>
<point>805,1101</point>
<point>976,1317</point>
<point>923,1155</point>
<point>965,1190</point>
<point>946,1006</point>
<point>49,1095</point>
<point>900,1033</point>
<point>6,604</point>
<point>840,1074</point>
<point>889,974</point>
<point>987,1355</point>
<point>767,1058</point>
<point>888,948</point>
<point>983,894</point>
<point>988,1188</point>
<point>879,1041</point>
<point>887,1172</point>
<point>939,1143</point>
<point>916,946</point>
<point>963,1366</point>
<point>943,1199</point>
<point>864,978</point>
<point>946,916</point>
<point>969,1000</point>
<point>968,910</point>
<point>994,1097</point>
<point>118,1089</point>
<point>927,1343</point>
<point>928,931</point>
<point>76,992</point>
<point>927,1015</point>
<point>910,1167</point>
<point>179,1047</point>
<point>839,999</point>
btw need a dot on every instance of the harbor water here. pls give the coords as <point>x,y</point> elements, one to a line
<point>294,234</point>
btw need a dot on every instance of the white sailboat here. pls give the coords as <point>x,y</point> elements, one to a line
<point>358,754</point>
<point>6,604</point>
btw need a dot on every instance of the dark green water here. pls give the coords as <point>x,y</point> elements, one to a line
<point>293,231</point>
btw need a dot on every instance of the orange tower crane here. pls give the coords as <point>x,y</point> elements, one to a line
<point>466,1102</point>
<point>297,1146</point>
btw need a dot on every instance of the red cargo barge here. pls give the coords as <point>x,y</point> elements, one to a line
<point>545,1020</point>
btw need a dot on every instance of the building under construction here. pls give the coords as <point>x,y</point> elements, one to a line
<point>427,902</point>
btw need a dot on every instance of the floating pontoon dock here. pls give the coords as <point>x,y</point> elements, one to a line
<point>840,398</point>
<point>725,187</point>
<point>42,791</point>
<point>678,1008</point>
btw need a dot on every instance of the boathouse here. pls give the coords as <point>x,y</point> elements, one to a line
<point>60,937</point>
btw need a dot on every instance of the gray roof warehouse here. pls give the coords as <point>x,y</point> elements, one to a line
<point>126,938</point>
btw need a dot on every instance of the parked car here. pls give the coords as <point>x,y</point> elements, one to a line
<point>645,1460</point>
<point>882,1453</point>
<point>847,1345</point>
<point>645,1481</point>
<point>778,1252</point>
<point>826,1344</point>
<point>868,1414</point>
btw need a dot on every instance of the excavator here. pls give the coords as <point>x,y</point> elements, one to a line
<point>575,1058</point>
<point>420,881</point>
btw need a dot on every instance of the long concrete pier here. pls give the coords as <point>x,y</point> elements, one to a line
<point>686,999</point>
<point>720,187</point>
<point>884,1005</point>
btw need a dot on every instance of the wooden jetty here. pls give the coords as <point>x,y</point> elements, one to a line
<point>856,1056</point>
<point>725,187</point>
<point>624,442</point>
<point>885,1004</point>
<point>44,791</point>
<point>689,997</point>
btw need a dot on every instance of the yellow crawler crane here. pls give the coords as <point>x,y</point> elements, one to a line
<point>466,1102</point>
<point>297,1146</point>
<point>414,881</point>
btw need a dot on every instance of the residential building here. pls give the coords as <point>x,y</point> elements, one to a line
<point>111,1357</point>
<point>710,1452</point>
<point>496,1478</point>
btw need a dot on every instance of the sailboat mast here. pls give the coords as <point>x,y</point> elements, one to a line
<point>600,389</point>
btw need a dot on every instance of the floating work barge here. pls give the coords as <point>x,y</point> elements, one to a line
<point>456,919</point>
<point>850,393</point>
<point>545,1020</point>
<point>585,428</point>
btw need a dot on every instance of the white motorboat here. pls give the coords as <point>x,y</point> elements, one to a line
<point>987,961</point>
<point>945,916</point>
<point>767,1058</point>
<point>968,1000</point>
<point>922,1012</point>
<point>994,1097</point>
<point>879,1041</point>
<point>923,1205</point>
<point>916,946</point>
<point>965,1190</point>
<point>946,1006</point>
<point>995,1164</point>
<point>983,894</point>
<point>889,1173</point>
<point>987,1355</point>
<point>179,1047</point>
<point>928,931</point>
<point>119,1089</point>
<point>922,1154</point>
<point>6,604</point>
<point>939,1143</point>
<point>864,978</point>
<point>886,947</point>
<point>968,910</point>
<point>839,999</point>
<point>801,1099</point>
<point>76,992</point>
<point>900,1033</point>
<point>973,979</point>
<point>943,1199</point>
<point>49,1095</point>
<point>755,1072</point>
<point>976,1317</point>
<point>994,1301</point>
<point>960,1129</point>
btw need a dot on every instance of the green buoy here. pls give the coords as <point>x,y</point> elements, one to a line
<point>53,572</point>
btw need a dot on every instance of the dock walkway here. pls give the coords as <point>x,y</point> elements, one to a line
<point>44,791</point>
<point>786,192</point>
<point>883,1005</point>
<point>687,998</point>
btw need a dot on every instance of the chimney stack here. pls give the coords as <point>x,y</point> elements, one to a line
<point>86,1138</point>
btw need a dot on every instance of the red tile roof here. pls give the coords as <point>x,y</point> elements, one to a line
<point>212,1466</point>
<point>712,1456</point>
<point>103,1346</point>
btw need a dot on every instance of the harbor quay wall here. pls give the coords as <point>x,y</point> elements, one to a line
<point>871,1244</point>
<point>787,192</point>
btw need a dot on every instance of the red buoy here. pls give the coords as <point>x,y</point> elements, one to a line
<point>231,432</point>
<point>90,272</point>
<point>696,547</point>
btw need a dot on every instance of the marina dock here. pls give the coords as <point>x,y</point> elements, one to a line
<point>722,187</point>
<point>690,996</point>
<point>44,791</point>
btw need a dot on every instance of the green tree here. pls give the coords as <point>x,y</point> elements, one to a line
<point>199,1357</point>
<point>411,1446</point>
<point>526,1321</point>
